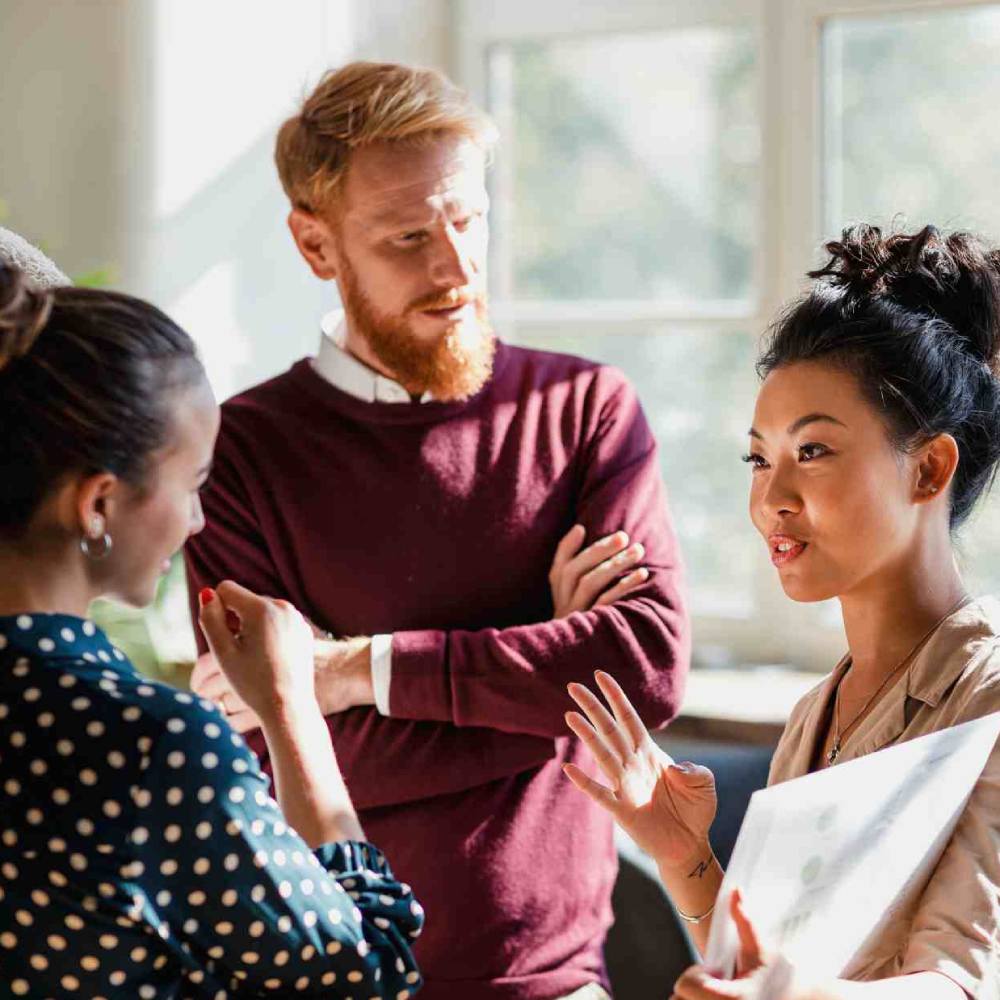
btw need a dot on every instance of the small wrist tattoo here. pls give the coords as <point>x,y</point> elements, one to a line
<point>699,869</point>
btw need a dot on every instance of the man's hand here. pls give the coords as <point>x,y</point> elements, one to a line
<point>344,674</point>
<point>584,580</point>
<point>343,680</point>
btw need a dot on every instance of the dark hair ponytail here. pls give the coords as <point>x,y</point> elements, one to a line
<point>916,317</point>
<point>84,382</point>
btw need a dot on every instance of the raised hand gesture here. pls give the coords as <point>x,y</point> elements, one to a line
<point>666,808</point>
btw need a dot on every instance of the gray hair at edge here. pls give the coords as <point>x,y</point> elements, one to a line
<point>16,251</point>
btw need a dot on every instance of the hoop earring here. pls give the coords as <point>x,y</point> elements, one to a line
<point>106,545</point>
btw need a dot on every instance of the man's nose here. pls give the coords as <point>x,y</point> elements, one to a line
<point>452,266</point>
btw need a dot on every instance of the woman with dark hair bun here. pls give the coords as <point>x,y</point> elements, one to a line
<point>142,853</point>
<point>876,430</point>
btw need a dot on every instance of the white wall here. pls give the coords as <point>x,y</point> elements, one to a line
<point>139,133</point>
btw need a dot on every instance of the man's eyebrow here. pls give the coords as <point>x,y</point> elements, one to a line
<point>394,218</point>
<point>417,214</point>
<point>797,425</point>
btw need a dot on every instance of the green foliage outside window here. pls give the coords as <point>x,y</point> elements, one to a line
<point>158,639</point>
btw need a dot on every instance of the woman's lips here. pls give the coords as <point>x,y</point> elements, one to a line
<point>785,549</point>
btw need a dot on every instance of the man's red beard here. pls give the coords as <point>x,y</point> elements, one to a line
<point>452,367</point>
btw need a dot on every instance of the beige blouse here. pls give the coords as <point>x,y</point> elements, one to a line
<point>951,922</point>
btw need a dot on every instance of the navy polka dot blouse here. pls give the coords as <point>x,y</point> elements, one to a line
<point>141,854</point>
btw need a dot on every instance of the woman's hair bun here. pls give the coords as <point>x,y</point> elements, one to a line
<point>24,310</point>
<point>954,277</point>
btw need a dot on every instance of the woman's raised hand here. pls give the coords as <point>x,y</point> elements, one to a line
<point>666,808</point>
<point>269,663</point>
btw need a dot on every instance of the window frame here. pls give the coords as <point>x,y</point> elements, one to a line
<point>789,218</point>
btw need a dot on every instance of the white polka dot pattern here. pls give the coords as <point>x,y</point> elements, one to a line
<point>144,856</point>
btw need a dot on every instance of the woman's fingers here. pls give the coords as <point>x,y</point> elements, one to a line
<point>625,586</point>
<point>624,711</point>
<point>234,703</point>
<point>234,623</point>
<point>212,619</point>
<point>602,795</point>
<point>697,984</point>
<point>214,687</point>
<point>205,666</point>
<point>751,955</point>
<point>247,606</point>
<point>607,761</point>
<point>602,721</point>
<point>217,688</point>
<point>244,720</point>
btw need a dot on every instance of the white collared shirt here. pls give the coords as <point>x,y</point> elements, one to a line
<point>341,369</point>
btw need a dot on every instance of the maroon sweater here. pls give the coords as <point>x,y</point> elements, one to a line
<point>437,522</point>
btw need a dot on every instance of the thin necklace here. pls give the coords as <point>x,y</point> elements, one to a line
<point>838,733</point>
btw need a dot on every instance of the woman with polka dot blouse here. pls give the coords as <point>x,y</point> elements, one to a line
<point>141,853</point>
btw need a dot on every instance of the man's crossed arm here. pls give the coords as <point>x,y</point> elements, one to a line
<point>580,578</point>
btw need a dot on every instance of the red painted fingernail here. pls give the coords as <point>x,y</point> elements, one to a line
<point>206,595</point>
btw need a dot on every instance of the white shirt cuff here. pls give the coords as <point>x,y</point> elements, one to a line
<point>381,653</point>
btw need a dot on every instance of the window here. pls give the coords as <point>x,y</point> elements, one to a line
<point>614,142</point>
<point>893,87</point>
<point>666,175</point>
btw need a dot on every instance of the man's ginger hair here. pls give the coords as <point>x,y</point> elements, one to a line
<point>362,103</point>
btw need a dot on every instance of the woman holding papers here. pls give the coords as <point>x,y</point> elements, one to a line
<point>876,430</point>
<point>141,854</point>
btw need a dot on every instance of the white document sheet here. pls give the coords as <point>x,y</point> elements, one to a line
<point>821,860</point>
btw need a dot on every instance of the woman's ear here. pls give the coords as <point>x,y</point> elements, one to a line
<point>94,503</point>
<point>314,238</point>
<point>938,460</point>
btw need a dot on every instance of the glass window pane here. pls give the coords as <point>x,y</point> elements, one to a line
<point>978,546</point>
<point>627,167</point>
<point>697,389</point>
<point>910,104</point>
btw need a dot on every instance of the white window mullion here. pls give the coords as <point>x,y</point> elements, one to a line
<point>503,206</point>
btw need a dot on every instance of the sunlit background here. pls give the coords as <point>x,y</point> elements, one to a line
<point>667,173</point>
